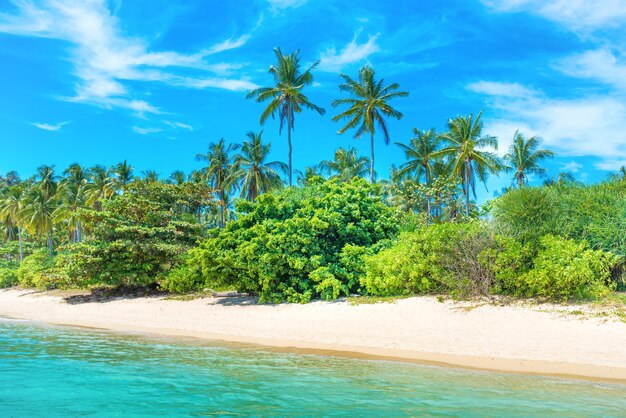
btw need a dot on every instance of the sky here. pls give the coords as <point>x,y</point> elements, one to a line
<point>156,81</point>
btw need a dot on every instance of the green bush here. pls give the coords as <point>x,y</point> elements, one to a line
<point>508,260</point>
<point>8,274</point>
<point>34,269</point>
<point>565,270</point>
<point>437,258</point>
<point>298,244</point>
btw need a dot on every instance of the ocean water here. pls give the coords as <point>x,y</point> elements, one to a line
<point>61,372</point>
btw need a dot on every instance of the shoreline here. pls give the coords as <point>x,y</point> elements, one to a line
<point>455,334</point>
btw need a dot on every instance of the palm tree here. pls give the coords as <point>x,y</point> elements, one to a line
<point>11,207</point>
<point>177,177</point>
<point>419,155</point>
<point>218,171</point>
<point>524,157</point>
<point>368,107</point>
<point>286,97</point>
<point>564,177</point>
<point>464,140</point>
<point>48,181</point>
<point>346,165</point>
<point>252,172</point>
<point>102,186</point>
<point>124,173</point>
<point>150,176</point>
<point>304,179</point>
<point>72,196</point>
<point>38,213</point>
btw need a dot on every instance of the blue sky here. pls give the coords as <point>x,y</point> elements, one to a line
<point>155,81</point>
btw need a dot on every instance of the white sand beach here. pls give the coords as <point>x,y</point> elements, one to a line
<point>514,338</point>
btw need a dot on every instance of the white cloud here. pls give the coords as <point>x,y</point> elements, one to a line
<point>286,4</point>
<point>501,89</point>
<point>104,57</point>
<point>586,126</point>
<point>50,127</point>
<point>601,65</point>
<point>574,14</point>
<point>572,167</point>
<point>146,131</point>
<point>178,125</point>
<point>332,60</point>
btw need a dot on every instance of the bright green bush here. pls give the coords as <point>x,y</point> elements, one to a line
<point>298,244</point>
<point>437,258</point>
<point>508,260</point>
<point>33,270</point>
<point>565,269</point>
<point>8,274</point>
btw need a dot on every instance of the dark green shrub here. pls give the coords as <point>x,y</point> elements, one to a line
<point>565,269</point>
<point>8,274</point>
<point>298,244</point>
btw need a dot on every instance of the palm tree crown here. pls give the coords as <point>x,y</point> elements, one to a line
<point>464,141</point>
<point>253,172</point>
<point>368,107</point>
<point>419,154</point>
<point>346,165</point>
<point>524,157</point>
<point>286,97</point>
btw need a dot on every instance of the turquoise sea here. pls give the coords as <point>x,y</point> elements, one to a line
<point>61,372</point>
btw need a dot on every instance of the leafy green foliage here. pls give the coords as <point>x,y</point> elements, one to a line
<point>8,274</point>
<point>296,244</point>
<point>565,269</point>
<point>33,270</point>
<point>141,235</point>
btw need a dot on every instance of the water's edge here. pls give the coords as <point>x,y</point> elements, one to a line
<point>549,369</point>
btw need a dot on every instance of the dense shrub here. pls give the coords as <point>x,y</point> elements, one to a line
<point>140,236</point>
<point>595,213</point>
<point>33,270</point>
<point>565,269</point>
<point>8,273</point>
<point>436,258</point>
<point>296,244</point>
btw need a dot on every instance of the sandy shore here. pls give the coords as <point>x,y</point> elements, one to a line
<point>505,338</point>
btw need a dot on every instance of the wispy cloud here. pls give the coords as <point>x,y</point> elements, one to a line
<point>574,14</point>
<point>603,65</point>
<point>104,58</point>
<point>572,167</point>
<point>333,60</point>
<point>585,126</point>
<point>178,125</point>
<point>146,131</point>
<point>286,4</point>
<point>50,127</point>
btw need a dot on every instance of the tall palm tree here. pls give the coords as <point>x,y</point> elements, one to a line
<point>11,207</point>
<point>73,195</point>
<point>524,157</point>
<point>177,177</point>
<point>218,171</point>
<point>304,179</point>
<point>124,174</point>
<point>419,155</point>
<point>346,165</point>
<point>38,213</point>
<point>464,141</point>
<point>101,187</point>
<point>253,173</point>
<point>150,176</point>
<point>286,97</point>
<point>48,180</point>
<point>369,106</point>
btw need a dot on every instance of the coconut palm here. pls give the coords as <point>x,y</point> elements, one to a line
<point>524,157</point>
<point>346,165</point>
<point>419,155</point>
<point>286,97</point>
<point>38,213</point>
<point>463,144</point>
<point>150,176</point>
<point>369,107</point>
<point>252,172</point>
<point>48,180</point>
<point>101,187</point>
<point>124,174</point>
<point>11,206</point>
<point>177,177</point>
<point>73,195</point>
<point>304,179</point>
<point>218,171</point>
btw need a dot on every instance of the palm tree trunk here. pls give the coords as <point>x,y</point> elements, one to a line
<point>372,161</point>
<point>467,200</point>
<point>289,140</point>
<point>520,180</point>
<point>19,234</point>
<point>223,202</point>
<point>50,244</point>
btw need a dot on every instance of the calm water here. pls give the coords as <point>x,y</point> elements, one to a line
<point>47,371</point>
